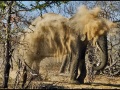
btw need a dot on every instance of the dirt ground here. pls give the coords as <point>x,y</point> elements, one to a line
<point>52,80</point>
<point>55,81</point>
<point>61,82</point>
<point>100,82</point>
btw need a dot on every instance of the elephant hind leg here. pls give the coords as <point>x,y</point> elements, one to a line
<point>66,64</point>
<point>62,68</point>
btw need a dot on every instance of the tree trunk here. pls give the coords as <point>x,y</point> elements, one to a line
<point>8,48</point>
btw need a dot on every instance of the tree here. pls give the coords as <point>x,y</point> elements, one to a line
<point>12,21</point>
<point>8,47</point>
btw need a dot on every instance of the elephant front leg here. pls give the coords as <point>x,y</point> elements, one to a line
<point>74,70</point>
<point>82,68</point>
<point>79,62</point>
<point>82,65</point>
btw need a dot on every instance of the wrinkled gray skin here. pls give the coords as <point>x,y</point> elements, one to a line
<point>78,60</point>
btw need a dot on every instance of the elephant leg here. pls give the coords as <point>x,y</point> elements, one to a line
<point>74,70</point>
<point>69,63</point>
<point>83,71</point>
<point>78,57</point>
<point>82,65</point>
<point>64,63</point>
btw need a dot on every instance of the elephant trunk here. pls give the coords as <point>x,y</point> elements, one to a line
<point>102,43</point>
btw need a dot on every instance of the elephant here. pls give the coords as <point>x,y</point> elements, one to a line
<point>80,65</point>
<point>53,35</point>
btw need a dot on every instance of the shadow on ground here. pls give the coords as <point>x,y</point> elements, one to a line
<point>103,84</point>
<point>47,86</point>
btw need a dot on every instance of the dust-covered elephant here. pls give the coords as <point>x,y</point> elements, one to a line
<point>53,35</point>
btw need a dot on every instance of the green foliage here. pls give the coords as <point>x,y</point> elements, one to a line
<point>41,5</point>
<point>44,4</point>
<point>2,5</point>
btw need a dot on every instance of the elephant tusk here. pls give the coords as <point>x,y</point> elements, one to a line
<point>98,46</point>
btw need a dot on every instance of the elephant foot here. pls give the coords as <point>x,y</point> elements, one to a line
<point>74,82</point>
<point>80,81</point>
